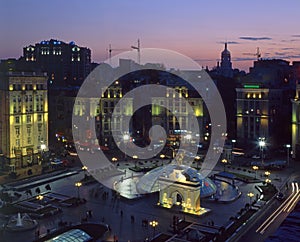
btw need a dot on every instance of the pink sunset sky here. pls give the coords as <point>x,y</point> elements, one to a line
<point>194,28</point>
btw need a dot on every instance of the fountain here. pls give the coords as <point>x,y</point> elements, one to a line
<point>21,223</point>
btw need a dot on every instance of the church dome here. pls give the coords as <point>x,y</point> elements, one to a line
<point>225,51</point>
<point>149,183</point>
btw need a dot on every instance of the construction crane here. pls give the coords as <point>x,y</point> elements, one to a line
<point>257,54</point>
<point>110,50</point>
<point>138,48</point>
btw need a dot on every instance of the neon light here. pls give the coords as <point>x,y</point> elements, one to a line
<point>252,86</point>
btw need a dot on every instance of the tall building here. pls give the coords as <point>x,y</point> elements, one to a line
<point>66,64</point>
<point>170,121</point>
<point>296,124</point>
<point>23,119</point>
<point>226,65</point>
<point>100,110</point>
<point>252,112</point>
<point>263,103</point>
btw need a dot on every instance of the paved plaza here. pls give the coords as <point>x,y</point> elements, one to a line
<point>125,216</point>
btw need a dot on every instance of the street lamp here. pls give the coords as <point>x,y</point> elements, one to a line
<point>267,173</point>
<point>153,224</point>
<point>288,146</point>
<point>43,148</point>
<point>250,195</point>
<point>78,185</point>
<point>262,144</point>
<point>135,157</point>
<point>255,168</point>
<point>114,159</point>
<point>233,142</point>
<point>39,198</point>
<point>197,158</point>
<point>268,180</point>
<point>126,137</point>
<point>224,161</point>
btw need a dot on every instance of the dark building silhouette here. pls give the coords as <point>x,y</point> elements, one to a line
<point>226,66</point>
<point>66,64</point>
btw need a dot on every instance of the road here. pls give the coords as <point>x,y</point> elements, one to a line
<point>269,219</point>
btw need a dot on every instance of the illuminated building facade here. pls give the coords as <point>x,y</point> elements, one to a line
<point>23,118</point>
<point>102,109</point>
<point>252,106</point>
<point>178,185</point>
<point>296,124</point>
<point>175,118</point>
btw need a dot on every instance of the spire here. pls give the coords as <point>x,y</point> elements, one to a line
<point>225,45</point>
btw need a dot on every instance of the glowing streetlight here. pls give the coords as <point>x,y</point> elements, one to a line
<point>268,180</point>
<point>262,144</point>
<point>224,161</point>
<point>135,157</point>
<point>288,146</point>
<point>153,224</point>
<point>197,159</point>
<point>188,137</point>
<point>250,195</point>
<point>39,197</point>
<point>114,159</point>
<point>255,168</point>
<point>43,148</point>
<point>162,156</point>
<point>267,173</point>
<point>126,138</point>
<point>78,185</point>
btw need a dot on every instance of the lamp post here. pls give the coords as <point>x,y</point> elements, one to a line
<point>288,146</point>
<point>262,144</point>
<point>268,180</point>
<point>255,168</point>
<point>43,148</point>
<point>39,198</point>
<point>126,137</point>
<point>197,159</point>
<point>267,173</point>
<point>78,185</point>
<point>135,157</point>
<point>224,161</point>
<point>250,195</point>
<point>233,142</point>
<point>153,224</point>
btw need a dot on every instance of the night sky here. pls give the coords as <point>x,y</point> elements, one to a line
<point>194,28</point>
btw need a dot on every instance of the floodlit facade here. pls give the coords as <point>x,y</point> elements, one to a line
<point>296,124</point>
<point>252,106</point>
<point>23,118</point>
<point>178,185</point>
<point>100,110</point>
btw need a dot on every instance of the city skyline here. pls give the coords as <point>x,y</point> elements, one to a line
<point>197,30</point>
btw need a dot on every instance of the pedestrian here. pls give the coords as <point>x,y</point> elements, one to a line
<point>132,219</point>
<point>121,213</point>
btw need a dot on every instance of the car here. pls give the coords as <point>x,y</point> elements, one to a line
<point>280,196</point>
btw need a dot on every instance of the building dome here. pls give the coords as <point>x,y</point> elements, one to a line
<point>225,52</point>
<point>182,174</point>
